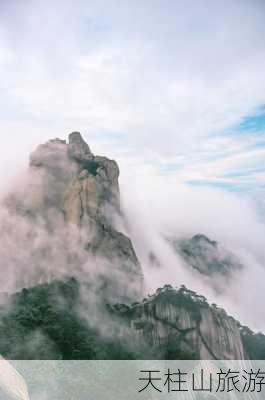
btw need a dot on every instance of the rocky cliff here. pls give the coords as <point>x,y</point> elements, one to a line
<point>181,324</point>
<point>75,182</point>
<point>71,192</point>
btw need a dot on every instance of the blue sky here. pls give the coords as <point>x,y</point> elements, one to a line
<point>249,173</point>
<point>167,88</point>
<point>253,124</point>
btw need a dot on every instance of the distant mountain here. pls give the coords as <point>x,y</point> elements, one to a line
<point>206,256</point>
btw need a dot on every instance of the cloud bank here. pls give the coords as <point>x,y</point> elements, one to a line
<point>158,209</point>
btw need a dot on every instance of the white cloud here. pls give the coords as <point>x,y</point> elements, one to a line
<point>163,71</point>
<point>157,207</point>
<point>166,75</point>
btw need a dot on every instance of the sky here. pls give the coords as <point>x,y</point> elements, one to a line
<point>166,87</point>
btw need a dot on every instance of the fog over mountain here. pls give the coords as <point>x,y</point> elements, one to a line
<point>162,207</point>
<point>174,92</point>
<point>141,262</point>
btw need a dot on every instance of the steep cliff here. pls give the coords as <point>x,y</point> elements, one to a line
<point>74,181</point>
<point>68,191</point>
<point>43,323</point>
<point>181,324</point>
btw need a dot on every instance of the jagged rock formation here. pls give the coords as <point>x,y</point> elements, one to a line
<point>94,188</point>
<point>71,189</point>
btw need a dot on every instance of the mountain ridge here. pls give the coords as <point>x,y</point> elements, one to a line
<point>43,323</point>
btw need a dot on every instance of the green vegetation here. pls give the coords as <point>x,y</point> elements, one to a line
<point>91,166</point>
<point>254,343</point>
<point>42,323</point>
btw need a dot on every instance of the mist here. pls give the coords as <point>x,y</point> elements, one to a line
<point>153,207</point>
<point>157,207</point>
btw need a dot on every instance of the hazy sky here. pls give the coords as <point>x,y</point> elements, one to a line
<point>167,87</point>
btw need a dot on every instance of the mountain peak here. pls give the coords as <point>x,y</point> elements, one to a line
<point>78,149</point>
<point>69,188</point>
<point>75,136</point>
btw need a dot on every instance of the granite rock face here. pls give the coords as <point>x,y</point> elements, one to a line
<point>74,180</point>
<point>78,149</point>
<point>72,189</point>
<point>181,324</point>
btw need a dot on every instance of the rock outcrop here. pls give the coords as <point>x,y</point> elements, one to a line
<point>94,188</point>
<point>75,181</point>
<point>71,189</point>
<point>181,325</point>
